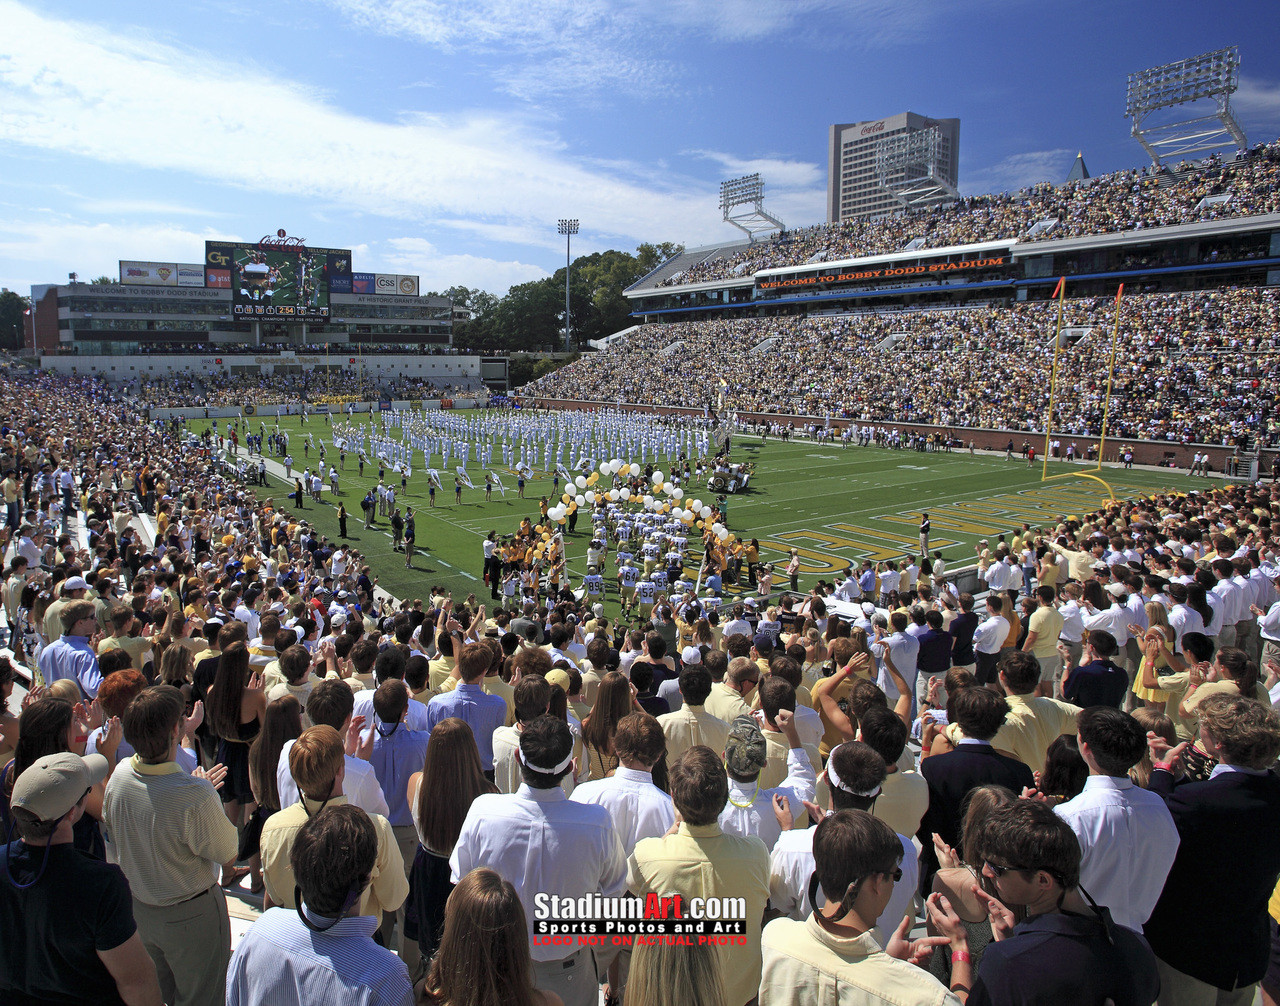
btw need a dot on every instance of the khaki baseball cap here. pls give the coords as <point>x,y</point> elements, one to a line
<point>54,784</point>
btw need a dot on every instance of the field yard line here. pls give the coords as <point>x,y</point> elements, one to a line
<point>855,513</point>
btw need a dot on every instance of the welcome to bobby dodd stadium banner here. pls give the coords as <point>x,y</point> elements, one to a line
<point>880,273</point>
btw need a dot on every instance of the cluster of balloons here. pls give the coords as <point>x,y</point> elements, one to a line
<point>696,512</point>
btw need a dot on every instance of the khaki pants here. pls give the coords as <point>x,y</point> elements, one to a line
<point>190,944</point>
<point>1177,989</point>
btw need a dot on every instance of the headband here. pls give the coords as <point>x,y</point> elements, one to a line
<point>834,780</point>
<point>547,771</point>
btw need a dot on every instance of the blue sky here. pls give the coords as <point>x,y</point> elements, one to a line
<point>445,138</point>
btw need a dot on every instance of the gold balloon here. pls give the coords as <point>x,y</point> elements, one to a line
<point>566,498</point>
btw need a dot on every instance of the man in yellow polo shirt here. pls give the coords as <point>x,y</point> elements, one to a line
<point>699,860</point>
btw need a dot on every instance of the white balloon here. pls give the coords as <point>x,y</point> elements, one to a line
<point>723,533</point>
<point>613,495</point>
<point>657,478</point>
<point>580,482</point>
<point>705,512</point>
<point>635,469</point>
<point>666,487</point>
<point>697,504</point>
<point>604,468</point>
<point>580,499</point>
<point>615,466</point>
<point>677,493</point>
<point>589,496</point>
<point>625,493</point>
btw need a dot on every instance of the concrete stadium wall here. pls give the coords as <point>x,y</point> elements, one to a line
<point>1145,452</point>
<point>267,412</point>
<point>125,368</point>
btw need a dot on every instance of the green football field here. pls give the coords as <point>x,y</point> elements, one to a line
<point>835,506</point>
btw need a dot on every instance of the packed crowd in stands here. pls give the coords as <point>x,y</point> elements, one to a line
<point>219,389</point>
<point>1195,367</point>
<point>1121,201</point>
<point>1088,811</point>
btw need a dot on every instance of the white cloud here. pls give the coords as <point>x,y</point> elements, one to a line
<point>1257,100</point>
<point>778,172</point>
<point>57,78</point>
<point>420,257</point>
<point>1020,170</point>
<point>556,48</point>
<point>92,249</point>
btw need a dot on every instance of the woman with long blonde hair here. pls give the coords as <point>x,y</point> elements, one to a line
<point>1146,685</point>
<point>687,973</point>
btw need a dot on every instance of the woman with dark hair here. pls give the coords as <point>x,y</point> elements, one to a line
<point>484,957</point>
<point>613,701</point>
<point>439,797</point>
<point>8,719</point>
<point>282,723</point>
<point>960,869</point>
<point>176,667</point>
<point>1231,673</point>
<point>27,641</point>
<point>1198,601</point>
<point>1064,772</point>
<point>53,726</point>
<point>236,707</point>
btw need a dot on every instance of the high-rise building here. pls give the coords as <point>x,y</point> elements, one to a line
<point>921,166</point>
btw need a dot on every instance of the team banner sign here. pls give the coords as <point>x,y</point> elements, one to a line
<point>776,283</point>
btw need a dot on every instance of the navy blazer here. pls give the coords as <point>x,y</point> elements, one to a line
<point>950,777</point>
<point>1211,919</point>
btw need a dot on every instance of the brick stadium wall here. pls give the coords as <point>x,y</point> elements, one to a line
<point>1145,452</point>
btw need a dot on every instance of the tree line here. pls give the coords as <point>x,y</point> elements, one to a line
<point>530,316</point>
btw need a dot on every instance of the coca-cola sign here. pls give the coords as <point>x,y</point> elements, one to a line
<point>281,240</point>
<point>875,127</point>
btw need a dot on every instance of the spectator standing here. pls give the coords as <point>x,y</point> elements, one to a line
<point>833,956</point>
<point>1127,836</point>
<point>1068,949</point>
<point>67,931</point>
<point>440,796</point>
<point>1233,817</point>
<point>171,838</point>
<point>541,842</point>
<point>323,951</point>
<point>72,656</point>
<point>699,860</point>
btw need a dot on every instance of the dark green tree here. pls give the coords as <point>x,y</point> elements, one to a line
<point>13,307</point>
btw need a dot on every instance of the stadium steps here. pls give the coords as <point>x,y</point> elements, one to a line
<point>891,341</point>
<point>763,347</point>
<point>668,350</point>
<point>617,337</point>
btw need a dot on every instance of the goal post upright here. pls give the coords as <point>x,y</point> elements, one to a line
<point>1060,294</point>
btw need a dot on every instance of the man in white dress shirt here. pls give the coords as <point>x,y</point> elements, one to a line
<point>1127,836</point>
<point>544,843</point>
<point>753,810</point>
<point>638,808</point>
<point>331,703</point>
<point>855,774</point>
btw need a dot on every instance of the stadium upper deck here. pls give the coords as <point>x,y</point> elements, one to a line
<point>1213,223</point>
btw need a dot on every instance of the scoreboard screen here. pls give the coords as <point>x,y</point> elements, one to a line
<point>290,283</point>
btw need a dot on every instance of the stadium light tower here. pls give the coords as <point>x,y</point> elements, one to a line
<point>568,228</point>
<point>1211,75</point>
<point>742,200</point>
<point>909,167</point>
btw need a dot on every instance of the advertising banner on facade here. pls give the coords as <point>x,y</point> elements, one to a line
<point>363,282</point>
<point>393,283</point>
